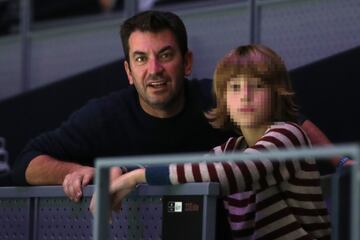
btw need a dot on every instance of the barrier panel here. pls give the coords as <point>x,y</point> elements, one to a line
<point>101,226</point>
<point>185,211</point>
<point>43,213</point>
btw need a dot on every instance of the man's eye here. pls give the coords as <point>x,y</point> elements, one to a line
<point>165,56</point>
<point>140,59</point>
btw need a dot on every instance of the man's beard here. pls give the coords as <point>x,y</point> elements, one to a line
<point>167,103</point>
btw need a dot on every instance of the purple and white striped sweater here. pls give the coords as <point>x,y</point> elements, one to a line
<point>266,199</point>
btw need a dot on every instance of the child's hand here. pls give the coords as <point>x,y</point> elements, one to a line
<point>120,187</point>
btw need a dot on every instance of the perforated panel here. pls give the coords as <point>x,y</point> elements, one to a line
<point>139,218</point>
<point>59,218</point>
<point>14,219</point>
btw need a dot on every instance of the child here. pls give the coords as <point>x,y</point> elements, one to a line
<point>264,199</point>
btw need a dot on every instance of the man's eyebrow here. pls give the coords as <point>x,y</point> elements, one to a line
<point>138,53</point>
<point>166,48</point>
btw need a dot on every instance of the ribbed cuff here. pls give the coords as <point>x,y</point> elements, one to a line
<point>157,175</point>
<point>341,163</point>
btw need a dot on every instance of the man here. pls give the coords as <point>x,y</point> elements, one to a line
<point>161,112</point>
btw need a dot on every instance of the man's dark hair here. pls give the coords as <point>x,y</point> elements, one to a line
<point>154,21</point>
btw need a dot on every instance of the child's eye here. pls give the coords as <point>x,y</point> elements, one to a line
<point>259,84</point>
<point>235,87</point>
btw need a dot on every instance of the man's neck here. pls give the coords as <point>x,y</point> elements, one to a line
<point>164,111</point>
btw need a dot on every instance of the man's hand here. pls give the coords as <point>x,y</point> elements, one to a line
<point>75,181</point>
<point>121,187</point>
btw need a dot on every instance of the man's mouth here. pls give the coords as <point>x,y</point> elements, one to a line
<point>157,84</point>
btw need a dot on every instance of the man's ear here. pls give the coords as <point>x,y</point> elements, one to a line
<point>188,62</point>
<point>128,72</point>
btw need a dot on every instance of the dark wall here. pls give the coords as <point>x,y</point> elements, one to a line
<point>328,92</point>
<point>26,115</point>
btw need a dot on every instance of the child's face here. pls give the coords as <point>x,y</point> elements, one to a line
<point>248,101</point>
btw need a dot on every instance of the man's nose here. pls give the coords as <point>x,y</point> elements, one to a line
<point>155,66</point>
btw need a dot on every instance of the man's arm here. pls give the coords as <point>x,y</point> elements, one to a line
<point>46,170</point>
<point>318,138</point>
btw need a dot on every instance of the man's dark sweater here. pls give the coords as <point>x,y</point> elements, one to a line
<point>116,125</point>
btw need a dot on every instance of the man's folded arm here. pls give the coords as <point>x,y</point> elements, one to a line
<point>46,170</point>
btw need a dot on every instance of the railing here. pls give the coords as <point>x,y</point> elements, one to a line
<point>101,226</point>
<point>43,213</point>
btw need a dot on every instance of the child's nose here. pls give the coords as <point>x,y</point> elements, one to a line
<point>245,93</point>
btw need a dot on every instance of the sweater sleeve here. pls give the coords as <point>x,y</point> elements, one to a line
<point>75,140</point>
<point>157,175</point>
<point>239,176</point>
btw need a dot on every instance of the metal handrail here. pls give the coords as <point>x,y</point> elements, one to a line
<point>101,228</point>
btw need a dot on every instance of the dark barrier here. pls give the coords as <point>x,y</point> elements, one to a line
<point>151,212</point>
<point>328,93</point>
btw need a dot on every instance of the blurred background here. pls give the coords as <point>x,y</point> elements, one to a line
<point>56,55</point>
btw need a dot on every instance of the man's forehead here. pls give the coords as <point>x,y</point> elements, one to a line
<point>140,41</point>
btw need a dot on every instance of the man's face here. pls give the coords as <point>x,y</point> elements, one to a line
<point>157,68</point>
